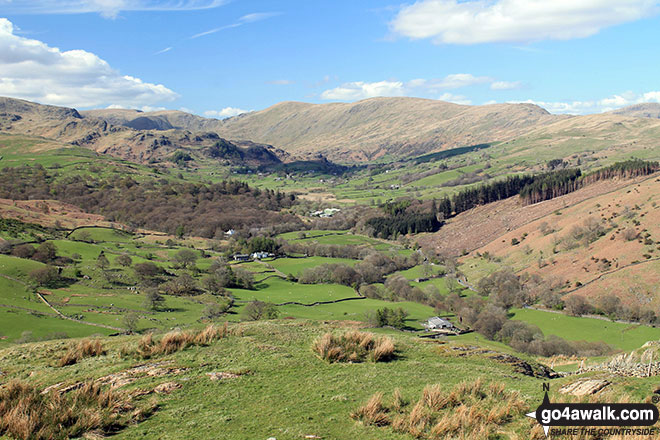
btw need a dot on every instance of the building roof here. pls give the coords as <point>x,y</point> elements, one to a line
<point>439,322</point>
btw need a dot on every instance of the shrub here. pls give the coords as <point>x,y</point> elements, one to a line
<point>84,349</point>
<point>124,260</point>
<point>630,234</point>
<point>354,346</point>
<point>257,310</point>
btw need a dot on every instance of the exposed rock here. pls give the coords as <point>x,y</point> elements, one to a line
<point>166,388</point>
<point>522,367</point>
<point>222,375</point>
<point>585,387</point>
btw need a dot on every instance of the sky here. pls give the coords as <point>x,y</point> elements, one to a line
<point>219,58</point>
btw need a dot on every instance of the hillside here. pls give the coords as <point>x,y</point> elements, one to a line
<point>551,239</point>
<point>149,142</point>
<point>157,120</point>
<point>647,110</point>
<point>372,128</point>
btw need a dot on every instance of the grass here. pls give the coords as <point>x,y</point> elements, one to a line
<point>354,346</point>
<point>277,290</point>
<point>294,392</point>
<point>472,410</point>
<point>357,310</point>
<point>178,340</point>
<point>622,336</point>
<point>83,349</point>
<point>295,266</point>
<point>27,413</point>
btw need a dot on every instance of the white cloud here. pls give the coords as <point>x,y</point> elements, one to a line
<point>30,69</point>
<point>600,105</point>
<point>456,99</point>
<point>249,18</point>
<point>419,87</point>
<point>361,90</point>
<point>506,85</point>
<point>107,8</point>
<point>486,21</point>
<point>167,49</point>
<point>226,112</point>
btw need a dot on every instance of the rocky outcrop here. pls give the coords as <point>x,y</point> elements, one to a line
<point>585,387</point>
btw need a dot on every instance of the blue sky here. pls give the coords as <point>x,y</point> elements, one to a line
<point>218,58</point>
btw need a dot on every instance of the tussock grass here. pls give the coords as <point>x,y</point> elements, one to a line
<point>179,340</point>
<point>26,413</point>
<point>84,349</point>
<point>354,346</point>
<point>471,410</point>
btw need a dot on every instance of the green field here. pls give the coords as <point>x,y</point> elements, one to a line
<point>622,336</point>
<point>295,266</point>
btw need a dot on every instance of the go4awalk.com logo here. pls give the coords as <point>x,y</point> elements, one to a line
<point>600,419</point>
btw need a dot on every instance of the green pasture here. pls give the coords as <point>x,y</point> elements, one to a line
<point>622,336</point>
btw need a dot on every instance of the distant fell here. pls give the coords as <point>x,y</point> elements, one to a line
<point>376,127</point>
<point>648,110</point>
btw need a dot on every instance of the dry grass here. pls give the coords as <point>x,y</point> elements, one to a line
<point>373,413</point>
<point>354,346</point>
<point>84,349</point>
<point>26,413</point>
<point>471,410</point>
<point>178,340</point>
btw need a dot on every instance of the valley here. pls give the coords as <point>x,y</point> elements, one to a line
<point>211,259</point>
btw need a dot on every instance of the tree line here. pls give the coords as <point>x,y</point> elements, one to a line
<point>206,210</point>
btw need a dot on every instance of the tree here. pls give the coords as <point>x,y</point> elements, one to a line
<point>23,251</point>
<point>46,252</point>
<point>609,304</point>
<point>84,236</point>
<point>124,260</point>
<point>213,310</point>
<point>184,284</point>
<point>577,305</point>
<point>45,276</point>
<point>257,310</point>
<point>153,300</point>
<point>102,261</point>
<point>186,258</point>
<point>490,321</point>
<point>147,271</point>
<point>131,321</point>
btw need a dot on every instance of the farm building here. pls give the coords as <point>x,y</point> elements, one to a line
<point>437,323</point>
<point>241,257</point>
<point>261,255</point>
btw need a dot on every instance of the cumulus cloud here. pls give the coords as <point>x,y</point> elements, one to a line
<point>362,90</point>
<point>487,21</point>
<point>30,69</point>
<point>226,112</point>
<point>598,105</point>
<point>107,8</point>
<point>419,87</point>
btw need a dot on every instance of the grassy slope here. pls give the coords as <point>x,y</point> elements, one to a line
<point>292,391</point>
<point>622,336</point>
<point>287,393</point>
